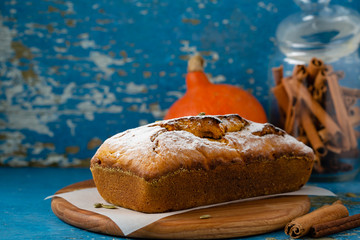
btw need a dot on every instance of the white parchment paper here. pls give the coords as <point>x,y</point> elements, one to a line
<point>130,221</point>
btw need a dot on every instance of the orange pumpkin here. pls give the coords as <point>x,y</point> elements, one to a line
<point>214,99</point>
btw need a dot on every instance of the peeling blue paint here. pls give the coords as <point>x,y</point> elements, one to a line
<point>72,71</point>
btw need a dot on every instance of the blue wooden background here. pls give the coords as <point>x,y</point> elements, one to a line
<point>75,72</point>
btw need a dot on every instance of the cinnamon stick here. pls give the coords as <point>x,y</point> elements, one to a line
<point>317,110</point>
<point>351,92</point>
<point>317,165</point>
<point>294,106</point>
<point>313,68</point>
<point>320,93</point>
<point>334,149</point>
<point>320,79</point>
<point>293,109</point>
<point>301,226</point>
<point>354,116</point>
<point>323,134</point>
<point>328,68</point>
<point>278,73</point>
<point>312,134</point>
<point>281,96</point>
<point>336,226</point>
<point>349,101</point>
<point>300,73</point>
<point>357,133</point>
<point>303,139</point>
<point>339,74</point>
<point>349,141</point>
<point>320,87</point>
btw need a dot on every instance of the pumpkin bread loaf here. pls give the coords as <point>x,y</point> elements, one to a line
<point>193,161</point>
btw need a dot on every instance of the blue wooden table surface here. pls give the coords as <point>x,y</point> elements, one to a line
<point>24,214</point>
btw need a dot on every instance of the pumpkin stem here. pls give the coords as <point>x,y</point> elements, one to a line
<point>196,78</point>
<point>196,63</point>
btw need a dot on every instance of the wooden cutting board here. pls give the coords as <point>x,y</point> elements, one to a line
<point>232,220</point>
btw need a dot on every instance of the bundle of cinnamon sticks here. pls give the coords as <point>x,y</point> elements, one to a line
<point>326,220</point>
<point>316,110</point>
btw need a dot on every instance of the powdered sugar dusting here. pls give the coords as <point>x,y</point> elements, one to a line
<point>133,138</point>
<point>254,127</point>
<point>152,149</point>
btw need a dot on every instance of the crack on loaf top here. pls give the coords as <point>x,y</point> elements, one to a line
<point>211,127</point>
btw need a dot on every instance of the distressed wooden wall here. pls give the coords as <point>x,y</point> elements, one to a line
<point>75,72</point>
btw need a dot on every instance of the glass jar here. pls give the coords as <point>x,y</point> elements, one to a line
<point>315,78</point>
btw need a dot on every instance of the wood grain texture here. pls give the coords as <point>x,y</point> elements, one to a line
<point>232,220</point>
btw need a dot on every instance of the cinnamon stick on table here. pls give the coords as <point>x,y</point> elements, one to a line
<point>301,226</point>
<point>339,225</point>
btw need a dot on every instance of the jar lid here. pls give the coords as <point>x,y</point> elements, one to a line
<point>321,30</point>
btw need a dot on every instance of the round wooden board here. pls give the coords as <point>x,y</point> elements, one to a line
<point>227,221</point>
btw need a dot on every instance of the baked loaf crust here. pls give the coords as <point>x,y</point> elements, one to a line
<point>193,161</point>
